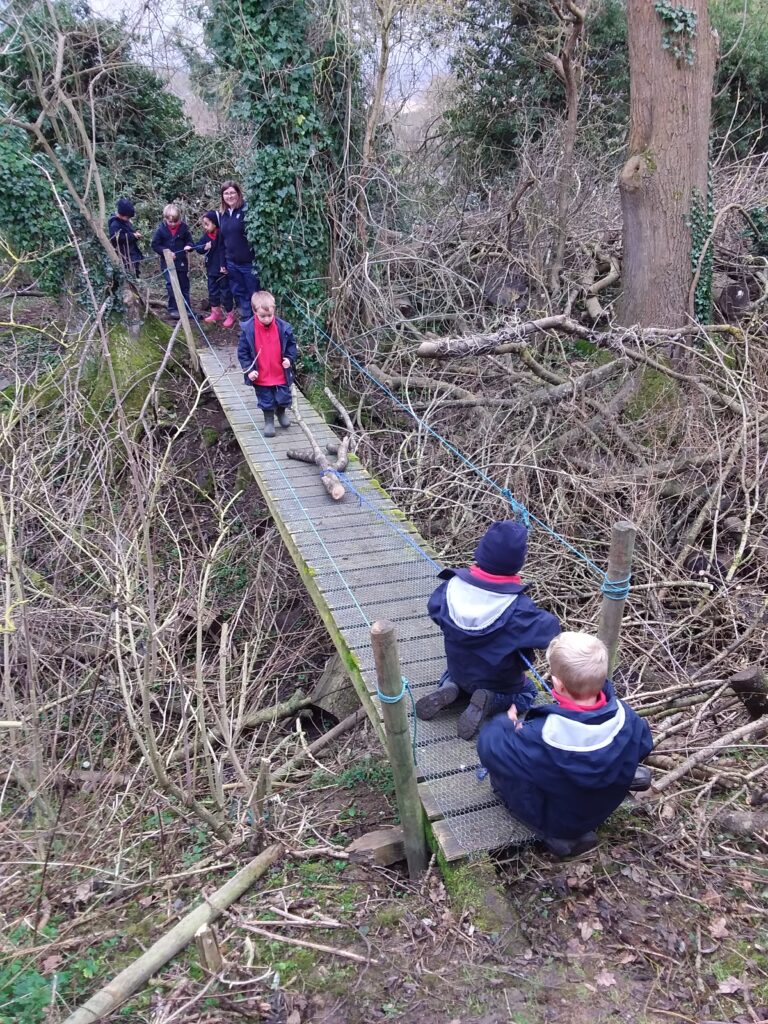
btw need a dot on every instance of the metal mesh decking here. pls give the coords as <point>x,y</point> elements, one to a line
<point>359,566</point>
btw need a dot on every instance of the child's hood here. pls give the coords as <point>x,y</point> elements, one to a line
<point>473,609</point>
<point>593,748</point>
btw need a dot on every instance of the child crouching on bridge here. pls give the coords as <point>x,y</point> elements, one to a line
<point>267,352</point>
<point>488,622</point>
<point>570,764</point>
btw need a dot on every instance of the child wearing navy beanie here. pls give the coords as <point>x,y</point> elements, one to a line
<point>488,624</point>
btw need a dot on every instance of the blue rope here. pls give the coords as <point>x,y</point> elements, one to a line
<point>616,590</point>
<point>393,525</point>
<point>386,699</point>
<point>520,511</point>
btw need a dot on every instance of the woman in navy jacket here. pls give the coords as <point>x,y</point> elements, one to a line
<point>239,257</point>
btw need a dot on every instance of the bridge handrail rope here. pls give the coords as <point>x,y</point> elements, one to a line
<point>614,590</point>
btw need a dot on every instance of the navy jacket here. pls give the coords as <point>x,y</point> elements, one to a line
<point>123,236</point>
<point>246,352</point>
<point>563,772</point>
<point>484,627</point>
<point>215,257</point>
<point>163,239</point>
<point>232,230</point>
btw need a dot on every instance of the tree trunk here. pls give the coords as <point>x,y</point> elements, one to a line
<point>664,180</point>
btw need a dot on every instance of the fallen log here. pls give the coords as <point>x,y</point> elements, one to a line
<point>751,687</point>
<point>316,456</point>
<point>743,823</point>
<point>137,974</point>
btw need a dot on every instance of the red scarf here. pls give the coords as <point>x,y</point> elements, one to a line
<point>488,577</point>
<point>570,705</point>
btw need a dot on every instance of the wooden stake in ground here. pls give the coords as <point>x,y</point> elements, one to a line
<point>395,718</point>
<point>619,568</point>
<point>141,970</point>
<point>182,307</point>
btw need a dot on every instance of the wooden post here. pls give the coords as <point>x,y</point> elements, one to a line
<point>399,744</point>
<point>619,567</point>
<point>182,307</point>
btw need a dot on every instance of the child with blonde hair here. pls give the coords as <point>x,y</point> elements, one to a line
<point>172,233</point>
<point>568,765</point>
<point>267,352</point>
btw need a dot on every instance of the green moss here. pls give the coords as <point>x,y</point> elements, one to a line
<point>741,958</point>
<point>650,161</point>
<point>210,437</point>
<point>135,362</point>
<point>390,915</point>
<point>656,392</point>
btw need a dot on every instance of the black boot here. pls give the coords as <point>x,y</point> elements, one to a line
<point>562,848</point>
<point>282,416</point>
<point>478,709</point>
<point>269,423</point>
<point>642,779</point>
<point>427,707</point>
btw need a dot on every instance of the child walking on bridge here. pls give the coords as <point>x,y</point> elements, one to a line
<point>211,245</point>
<point>267,352</point>
<point>488,622</point>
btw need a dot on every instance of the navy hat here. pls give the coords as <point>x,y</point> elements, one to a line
<point>125,208</point>
<point>502,548</point>
<point>212,215</point>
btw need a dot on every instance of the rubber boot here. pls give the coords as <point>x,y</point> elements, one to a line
<point>478,709</point>
<point>427,707</point>
<point>217,313</point>
<point>283,417</point>
<point>229,320</point>
<point>269,423</point>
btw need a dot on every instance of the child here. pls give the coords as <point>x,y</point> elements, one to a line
<point>124,236</point>
<point>571,763</point>
<point>172,233</point>
<point>219,294</point>
<point>488,621</point>
<point>239,257</point>
<point>267,352</point>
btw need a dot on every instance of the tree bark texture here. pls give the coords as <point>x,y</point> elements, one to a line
<point>666,171</point>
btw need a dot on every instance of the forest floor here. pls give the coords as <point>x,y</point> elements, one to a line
<point>665,921</point>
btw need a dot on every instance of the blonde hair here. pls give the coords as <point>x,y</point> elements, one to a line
<point>262,298</point>
<point>171,211</point>
<point>580,662</point>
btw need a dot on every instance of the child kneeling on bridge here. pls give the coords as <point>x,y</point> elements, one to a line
<point>267,352</point>
<point>570,764</point>
<point>489,625</point>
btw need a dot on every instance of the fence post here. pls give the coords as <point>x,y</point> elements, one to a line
<point>182,308</point>
<point>619,567</point>
<point>399,744</point>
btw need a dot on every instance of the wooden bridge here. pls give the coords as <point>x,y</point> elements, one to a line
<point>362,561</point>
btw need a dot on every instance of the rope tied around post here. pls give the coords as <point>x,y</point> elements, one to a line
<point>616,590</point>
<point>386,699</point>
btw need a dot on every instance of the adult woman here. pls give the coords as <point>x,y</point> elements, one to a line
<point>243,276</point>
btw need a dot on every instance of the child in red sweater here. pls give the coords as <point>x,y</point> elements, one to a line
<point>267,352</point>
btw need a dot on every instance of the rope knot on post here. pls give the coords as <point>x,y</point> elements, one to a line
<point>616,590</point>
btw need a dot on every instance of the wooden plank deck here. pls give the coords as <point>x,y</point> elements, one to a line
<point>358,566</point>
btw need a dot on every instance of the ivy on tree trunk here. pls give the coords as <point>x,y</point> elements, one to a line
<point>286,61</point>
<point>672,53</point>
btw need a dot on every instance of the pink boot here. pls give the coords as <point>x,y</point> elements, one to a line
<point>216,314</point>
<point>230,319</point>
